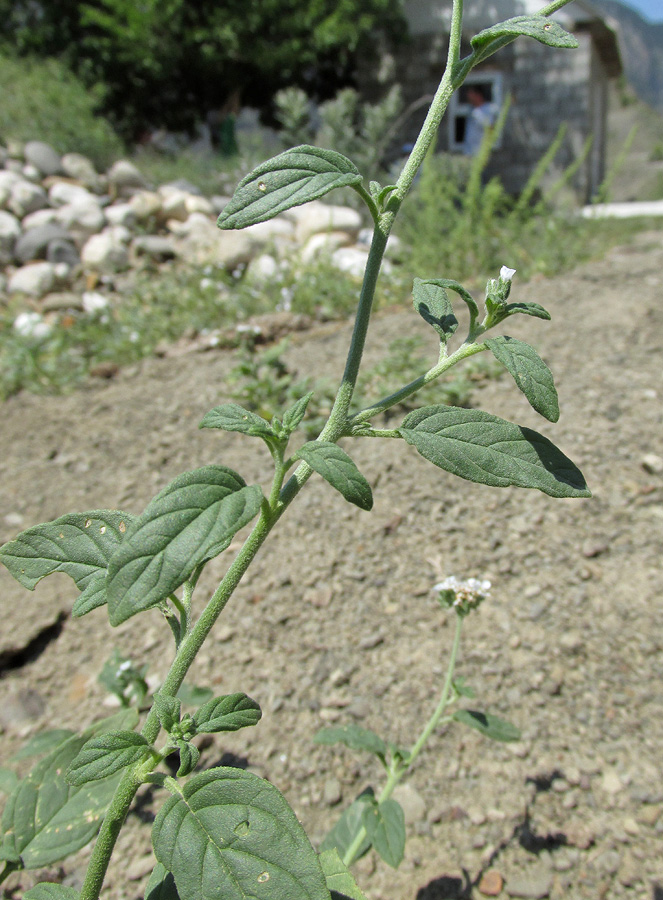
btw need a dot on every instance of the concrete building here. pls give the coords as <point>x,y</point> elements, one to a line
<point>547,86</point>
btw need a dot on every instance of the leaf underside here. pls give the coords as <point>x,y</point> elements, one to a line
<point>432,303</point>
<point>290,179</point>
<point>192,520</point>
<point>232,836</point>
<point>232,417</point>
<point>229,713</point>
<point>353,736</point>
<point>489,725</point>
<point>385,827</point>
<point>480,447</point>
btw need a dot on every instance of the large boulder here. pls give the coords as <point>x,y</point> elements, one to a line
<point>316,217</point>
<point>43,157</point>
<point>81,220</point>
<point>35,280</point>
<point>64,193</point>
<point>125,178</point>
<point>10,231</point>
<point>79,167</point>
<point>105,253</point>
<point>33,243</point>
<point>26,197</point>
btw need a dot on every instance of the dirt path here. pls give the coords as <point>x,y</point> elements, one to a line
<point>336,622</point>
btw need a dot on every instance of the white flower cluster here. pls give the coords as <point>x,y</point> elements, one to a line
<point>463,595</point>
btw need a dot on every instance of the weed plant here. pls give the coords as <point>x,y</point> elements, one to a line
<point>224,833</point>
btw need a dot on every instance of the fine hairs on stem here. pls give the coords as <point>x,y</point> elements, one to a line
<point>224,833</point>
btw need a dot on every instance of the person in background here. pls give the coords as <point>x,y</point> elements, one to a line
<point>481,117</point>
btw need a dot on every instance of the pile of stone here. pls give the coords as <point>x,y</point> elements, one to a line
<point>67,231</point>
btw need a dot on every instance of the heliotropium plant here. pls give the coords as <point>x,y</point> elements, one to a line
<point>224,833</point>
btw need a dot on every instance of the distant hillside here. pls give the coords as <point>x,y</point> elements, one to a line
<point>641,46</point>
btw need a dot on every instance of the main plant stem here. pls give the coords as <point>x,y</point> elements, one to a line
<point>396,772</point>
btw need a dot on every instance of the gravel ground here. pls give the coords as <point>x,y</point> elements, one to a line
<point>336,621</point>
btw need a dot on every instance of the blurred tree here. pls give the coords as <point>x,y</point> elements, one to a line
<point>172,62</point>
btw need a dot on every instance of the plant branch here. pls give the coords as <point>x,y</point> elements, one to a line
<point>396,772</point>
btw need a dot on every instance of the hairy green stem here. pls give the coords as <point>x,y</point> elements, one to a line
<point>396,772</point>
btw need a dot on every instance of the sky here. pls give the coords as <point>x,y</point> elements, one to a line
<point>651,9</point>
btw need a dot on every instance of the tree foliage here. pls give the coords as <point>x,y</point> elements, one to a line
<point>169,62</point>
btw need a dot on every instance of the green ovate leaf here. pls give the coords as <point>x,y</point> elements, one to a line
<point>337,468</point>
<point>192,520</point>
<point>432,303</point>
<point>530,373</point>
<point>8,780</point>
<point>43,742</point>
<point>45,818</point>
<point>353,736</point>
<point>490,726</point>
<point>161,885</point>
<point>294,415</point>
<point>348,826</point>
<point>168,710</point>
<point>450,285</point>
<point>78,544</point>
<point>340,883</point>
<point>46,890</point>
<point>189,756</point>
<point>297,176</point>
<point>528,309</point>
<point>541,28</point>
<point>483,448</point>
<point>385,827</point>
<point>231,836</point>
<point>231,417</point>
<point>229,713</point>
<point>105,755</point>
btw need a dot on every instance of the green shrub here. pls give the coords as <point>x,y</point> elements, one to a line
<point>42,100</point>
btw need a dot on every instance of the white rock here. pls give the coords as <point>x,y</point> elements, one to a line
<point>222,248</point>
<point>262,268</point>
<point>32,173</point>
<point>105,253</point>
<point>324,244</point>
<point>77,166</point>
<point>316,216</point>
<point>35,280</point>
<point>145,204</point>
<point>62,193</point>
<point>10,231</point>
<point>31,325</point>
<point>173,204</point>
<point>82,220</point>
<point>8,180</point>
<point>43,157</point>
<point>39,218</point>
<point>94,302</point>
<point>271,230</point>
<point>62,271</point>
<point>119,233</point>
<point>196,223</point>
<point>351,260</point>
<point>124,174</point>
<point>26,197</point>
<point>121,214</point>
<point>197,204</point>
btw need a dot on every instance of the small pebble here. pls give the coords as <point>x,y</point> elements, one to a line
<point>491,883</point>
<point>652,463</point>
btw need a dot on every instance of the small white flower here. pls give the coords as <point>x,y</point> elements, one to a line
<point>506,274</point>
<point>31,325</point>
<point>206,283</point>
